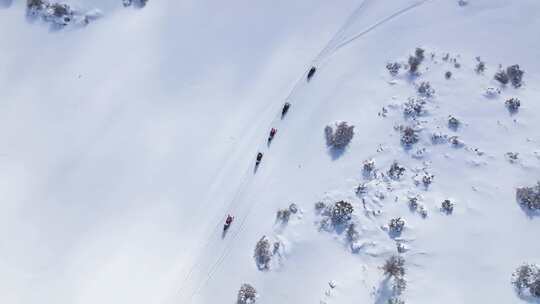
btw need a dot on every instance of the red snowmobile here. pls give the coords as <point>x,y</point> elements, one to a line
<point>272,134</point>
<point>228,222</point>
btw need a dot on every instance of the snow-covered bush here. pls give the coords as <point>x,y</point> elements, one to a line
<point>502,77</point>
<point>416,60</point>
<point>395,300</point>
<point>526,280</point>
<point>529,197</point>
<point>368,168</point>
<point>136,3</point>
<point>352,233</point>
<point>262,254</point>
<point>341,212</point>
<point>283,215</point>
<point>480,66</point>
<point>341,137</point>
<point>361,189</point>
<point>515,75</point>
<point>293,208</point>
<point>396,225</point>
<point>393,68</point>
<point>396,171</point>
<point>456,142</point>
<point>59,14</point>
<point>414,107</point>
<point>247,294</point>
<point>453,123</point>
<point>320,207</point>
<point>512,105</point>
<point>424,179</point>
<point>448,75</point>
<point>425,89</point>
<point>512,156</point>
<point>492,92</point>
<point>438,138</point>
<point>447,207</point>
<point>409,136</point>
<point>394,266</point>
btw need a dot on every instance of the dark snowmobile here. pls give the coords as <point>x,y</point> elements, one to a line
<point>311,73</point>
<point>286,107</point>
<point>228,223</point>
<point>272,134</point>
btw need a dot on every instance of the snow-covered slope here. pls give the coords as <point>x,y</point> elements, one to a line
<point>126,142</point>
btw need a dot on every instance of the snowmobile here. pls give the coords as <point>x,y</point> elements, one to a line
<point>286,107</point>
<point>311,73</point>
<point>272,134</point>
<point>259,158</point>
<point>228,222</point>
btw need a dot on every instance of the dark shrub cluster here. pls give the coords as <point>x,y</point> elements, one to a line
<point>480,66</point>
<point>262,254</point>
<point>247,294</point>
<point>447,207</point>
<point>396,225</point>
<point>416,60</point>
<point>526,280</point>
<point>438,138</point>
<point>414,107</point>
<point>453,123</point>
<point>396,171</point>
<point>512,74</point>
<point>529,197</point>
<point>512,105</point>
<point>394,268</point>
<point>341,137</point>
<point>425,89</point>
<point>341,212</point>
<point>393,68</point>
<point>136,3</point>
<point>409,136</point>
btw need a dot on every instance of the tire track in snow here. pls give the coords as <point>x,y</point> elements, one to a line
<point>328,51</point>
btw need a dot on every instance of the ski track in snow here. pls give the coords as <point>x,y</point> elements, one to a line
<point>328,51</point>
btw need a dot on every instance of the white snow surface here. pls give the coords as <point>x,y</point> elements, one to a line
<point>125,144</point>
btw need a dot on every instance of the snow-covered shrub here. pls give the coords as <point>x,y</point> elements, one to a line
<point>59,14</point>
<point>368,168</point>
<point>512,105</point>
<point>320,206</point>
<point>425,89</point>
<point>526,280</point>
<point>413,203</point>
<point>515,75</point>
<point>480,66</point>
<point>463,2</point>
<point>395,300</point>
<point>393,68</point>
<point>448,75</point>
<point>416,60</point>
<point>247,294</point>
<point>438,138</point>
<point>394,266</point>
<point>283,215</point>
<point>293,208</point>
<point>352,233</point>
<point>455,142</point>
<point>447,207</point>
<point>453,123</point>
<point>136,3</point>
<point>529,197</point>
<point>502,77</point>
<point>409,136</point>
<point>396,171</point>
<point>426,179</point>
<point>361,189</point>
<point>396,225</point>
<point>341,137</point>
<point>262,254</point>
<point>492,92</point>
<point>341,212</point>
<point>414,107</point>
<point>512,156</point>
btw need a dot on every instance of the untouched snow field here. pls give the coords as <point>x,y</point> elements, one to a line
<point>125,144</point>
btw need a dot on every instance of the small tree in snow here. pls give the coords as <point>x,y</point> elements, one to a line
<point>512,105</point>
<point>393,68</point>
<point>447,207</point>
<point>526,280</point>
<point>515,74</point>
<point>396,225</point>
<point>136,3</point>
<point>341,212</point>
<point>529,197</point>
<point>425,89</point>
<point>262,254</point>
<point>396,171</point>
<point>502,77</point>
<point>341,137</point>
<point>247,294</point>
<point>409,137</point>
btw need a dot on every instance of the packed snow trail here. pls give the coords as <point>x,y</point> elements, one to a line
<point>337,42</point>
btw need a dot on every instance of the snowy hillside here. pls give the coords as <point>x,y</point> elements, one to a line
<point>129,133</point>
